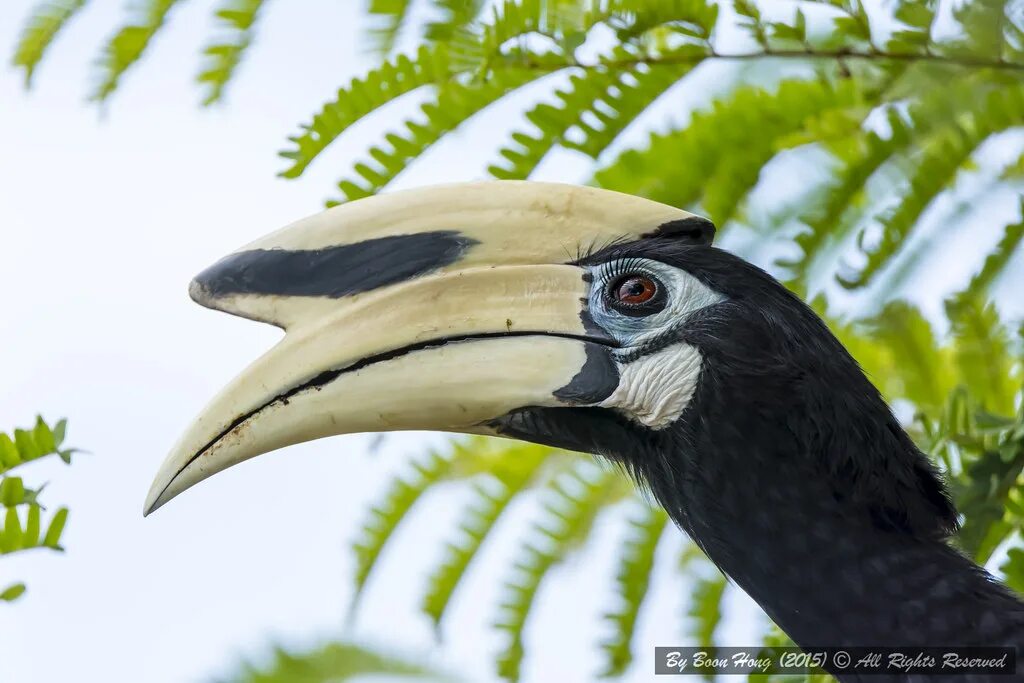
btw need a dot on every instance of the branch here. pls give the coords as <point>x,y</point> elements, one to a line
<point>967,62</point>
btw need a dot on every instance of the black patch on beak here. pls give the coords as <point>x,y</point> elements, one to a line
<point>694,229</point>
<point>595,381</point>
<point>334,272</point>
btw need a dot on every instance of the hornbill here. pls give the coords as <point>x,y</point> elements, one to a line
<point>605,323</point>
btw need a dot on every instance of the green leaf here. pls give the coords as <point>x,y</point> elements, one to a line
<point>32,527</point>
<point>59,431</point>
<point>454,103</point>
<point>236,21</point>
<point>998,258</point>
<point>43,436</point>
<point>56,528</point>
<point>983,353</point>
<point>12,536</point>
<point>705,609</point>
<point>43,25</point>
<point>12,592</point>
<point>9,456</point>
<point>384,517</point>
<point>491,497</point>
<point>363,96</point>
<point>572,502</point>
<point>390,16</point>
<point>331,663</point>
<point>128,44</point>
<point>636,561</point>
<point>925,376</point>
<point>12,491</point>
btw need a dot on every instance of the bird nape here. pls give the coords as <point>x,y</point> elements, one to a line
<point>608,324</point>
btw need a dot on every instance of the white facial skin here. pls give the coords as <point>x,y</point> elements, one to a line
<point>656,386</point>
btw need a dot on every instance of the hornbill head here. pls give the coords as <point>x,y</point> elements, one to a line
<point>564,315</point>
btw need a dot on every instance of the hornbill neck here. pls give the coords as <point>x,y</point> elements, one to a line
<point>828,579</point>
<point>807,493</point>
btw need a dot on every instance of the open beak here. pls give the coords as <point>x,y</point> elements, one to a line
<point>440,308</point>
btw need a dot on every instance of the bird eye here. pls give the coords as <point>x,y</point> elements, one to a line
<point>634,289</point>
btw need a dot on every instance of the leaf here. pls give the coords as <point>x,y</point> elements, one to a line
<point>636,561</point>
<point>933,171</point>
<point>237,18</point>
<point>923,370</point>
<point>983,355</point>
<point>28,445</point>
<point>12,536</point>
<point>45,442</point>
<point>597,107</point>
<point>56,528</point>
<point>46,21</point>
<point>571,504</point>
<point>12,592</point>
<point>32,527</point>
<point>363,96</point>
<point>705,609</point>
<point>331,663</point>
<point>998,258</point>
<point>454,103</point>
<point>128,44</point>
<point>478,518</point>
<point>384,517</point>
<point>59,431</point>
<point>390,16</point>
<point>718,157</point>
<point>12,491</point>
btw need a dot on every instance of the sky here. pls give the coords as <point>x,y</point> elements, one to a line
<point>105,215</point>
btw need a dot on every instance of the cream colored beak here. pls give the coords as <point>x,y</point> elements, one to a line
<point>440,308</point>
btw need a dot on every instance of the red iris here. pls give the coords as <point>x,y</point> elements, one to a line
<point>635,289</point>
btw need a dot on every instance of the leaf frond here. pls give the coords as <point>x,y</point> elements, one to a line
<point>632,579</point>
<point>571,504</point>
<point>127,45</point>
<point>522,463</point>
<point>363,96</point>
<point>44,23</point>
<point>237,19</point>
<point>454,103</point>
<point>384,517</point>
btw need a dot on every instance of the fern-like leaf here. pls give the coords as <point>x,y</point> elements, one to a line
<point>571,504</point>
<point>704,612</point>
<point>237,19</point>
<point>454,103</point>
<point>521,463</point>
<point>636,561</point>
<point>127,45</point>
<point>43,25</point>
<point>924,369</point>
<point>717,158</point>
<point>934,170</point>
<point>454,16</point>
<point>31,444</point>
<point>363,96</point>
<point>997,259</point>
<point>861,156</point>
<point>596,107</point>
<point>389,18</point>
<point>983,354</point>
<point>330,663</point>
<point>384,517</point>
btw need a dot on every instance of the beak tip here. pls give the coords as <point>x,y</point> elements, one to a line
<point>198,292</point>
<point>155,499</point>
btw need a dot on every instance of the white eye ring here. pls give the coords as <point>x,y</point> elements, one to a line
<point>677,294</point>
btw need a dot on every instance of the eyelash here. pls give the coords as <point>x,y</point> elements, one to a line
<point>626,266</point>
